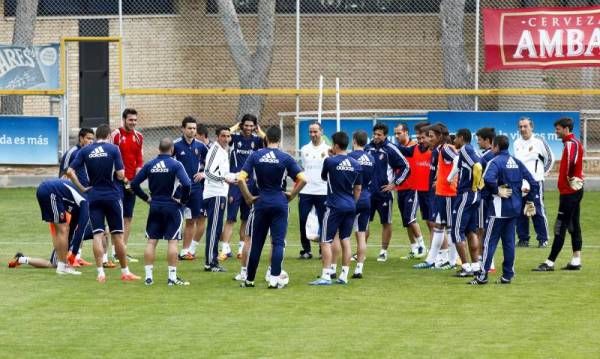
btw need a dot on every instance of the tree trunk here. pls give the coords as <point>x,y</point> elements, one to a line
<point>457,71</point>
<point>253,68</point>
<point>23,32</point>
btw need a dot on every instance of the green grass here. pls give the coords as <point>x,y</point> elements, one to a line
<point>394,312</point>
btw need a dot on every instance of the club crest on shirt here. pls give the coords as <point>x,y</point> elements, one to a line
<point>252,145</point>
<point>196,151</point>
<point>239,143</point>
<point>381,156</point>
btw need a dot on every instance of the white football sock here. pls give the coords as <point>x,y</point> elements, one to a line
<point>382,251</point>
<point>333,269</point>
<point>467,267</point>
<point>125,270</point>
<point>359,268</point>
<point>475,267</point>
<point>420,242</point>
<point>576,261</point>
<point>193,245</point>
<point>414,248</point>
<point>436,244</point>
<point>148,270</point>
<point>100,271</point>
<point>325,273</point>
<point>225,248</point>
<point>344,273</point>
<point>172,273</point>
<point>104,258</point>
<point>23,260</point>
<point>452,254</point>
<point>61,266</point>
<point>549,263</point>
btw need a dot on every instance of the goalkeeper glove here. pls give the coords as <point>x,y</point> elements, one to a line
<point>575,183</point>
<point>504,191</point>
<point>529,209</point>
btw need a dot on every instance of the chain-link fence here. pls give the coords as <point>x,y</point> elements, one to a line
<point>173,50</point>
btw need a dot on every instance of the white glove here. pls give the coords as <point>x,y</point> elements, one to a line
<point>529,209</point>
<point>576,183</point>
<point>504,192</point>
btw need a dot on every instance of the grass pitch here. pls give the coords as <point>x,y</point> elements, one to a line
<point>395,311</point>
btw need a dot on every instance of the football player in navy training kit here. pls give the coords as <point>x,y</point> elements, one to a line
<point>164,218</point>
<point>102,161</point>
<point>271,166</point>
<point>343,176</point>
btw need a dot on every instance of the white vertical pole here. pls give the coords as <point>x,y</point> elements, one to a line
<point>65,105</point>
<point>320,104</point>
<point>121,97</point>
<point>297,58</point>
<point>476,80</point>
<point>337,104</point>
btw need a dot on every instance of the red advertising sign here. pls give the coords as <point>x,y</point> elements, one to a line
<point>543,38</point>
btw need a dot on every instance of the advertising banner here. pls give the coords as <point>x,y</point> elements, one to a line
<point>533,38</point>
<point>28,140</point>
<point>29,68</point>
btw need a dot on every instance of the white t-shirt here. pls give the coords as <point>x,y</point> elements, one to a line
<point>312,158</point>
<point>535,154</point>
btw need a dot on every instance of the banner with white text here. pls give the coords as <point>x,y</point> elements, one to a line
<point>29,68</point>
<point>28,140</point>
<point>534,38</point>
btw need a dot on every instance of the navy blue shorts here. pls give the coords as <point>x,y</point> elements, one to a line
<point>465,215</point>
<point>442,210</point>
<point>128,203</point>
<point>336,221</point>
<point>110,210</point>
<point>195,208</point>
<point>383,206</point>
<point>235,202</point>
<point>363,215</point>
<point>408,203</point>
<point>425,204</point>
<point>164,222</point>
<point>52,207</point>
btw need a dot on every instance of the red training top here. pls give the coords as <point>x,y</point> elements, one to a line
<point>420,168</point>
<point>130,144</point>
<point>409,184</point>
<point>571,163</point>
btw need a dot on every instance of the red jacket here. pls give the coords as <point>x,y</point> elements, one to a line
<point>571,164</point>
<point>130,144</point>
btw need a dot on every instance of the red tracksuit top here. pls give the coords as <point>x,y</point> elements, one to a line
<point>571,163</point>
<point>130,144</point>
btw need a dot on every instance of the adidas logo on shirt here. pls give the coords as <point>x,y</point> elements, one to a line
<point>365,161</point>
<point>511,163</point>
<point>345,165</point>
<point>98,152</point>
<point>269,158</point>
<point>159,168</point>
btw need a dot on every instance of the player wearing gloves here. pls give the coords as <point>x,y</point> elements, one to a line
<point>570,186</point>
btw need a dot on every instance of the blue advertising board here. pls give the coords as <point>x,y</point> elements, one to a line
<point>506,123</point>
<point>349,125</point>
<point>34,67</point>
<point>28,140</point>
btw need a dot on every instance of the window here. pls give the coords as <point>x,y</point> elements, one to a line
<point>342,6</point>
<point>96,7</point>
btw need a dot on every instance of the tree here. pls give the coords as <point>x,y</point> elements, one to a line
<point>457,72</point>
<point>253,68</point>
<point>23,32</point>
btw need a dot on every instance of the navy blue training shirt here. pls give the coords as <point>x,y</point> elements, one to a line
<point>162,173</point>
<point>367,163</point>
<point>270,167</point>
<point>342,173</point>
<point>101,160</point>
<point>192,156</point>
